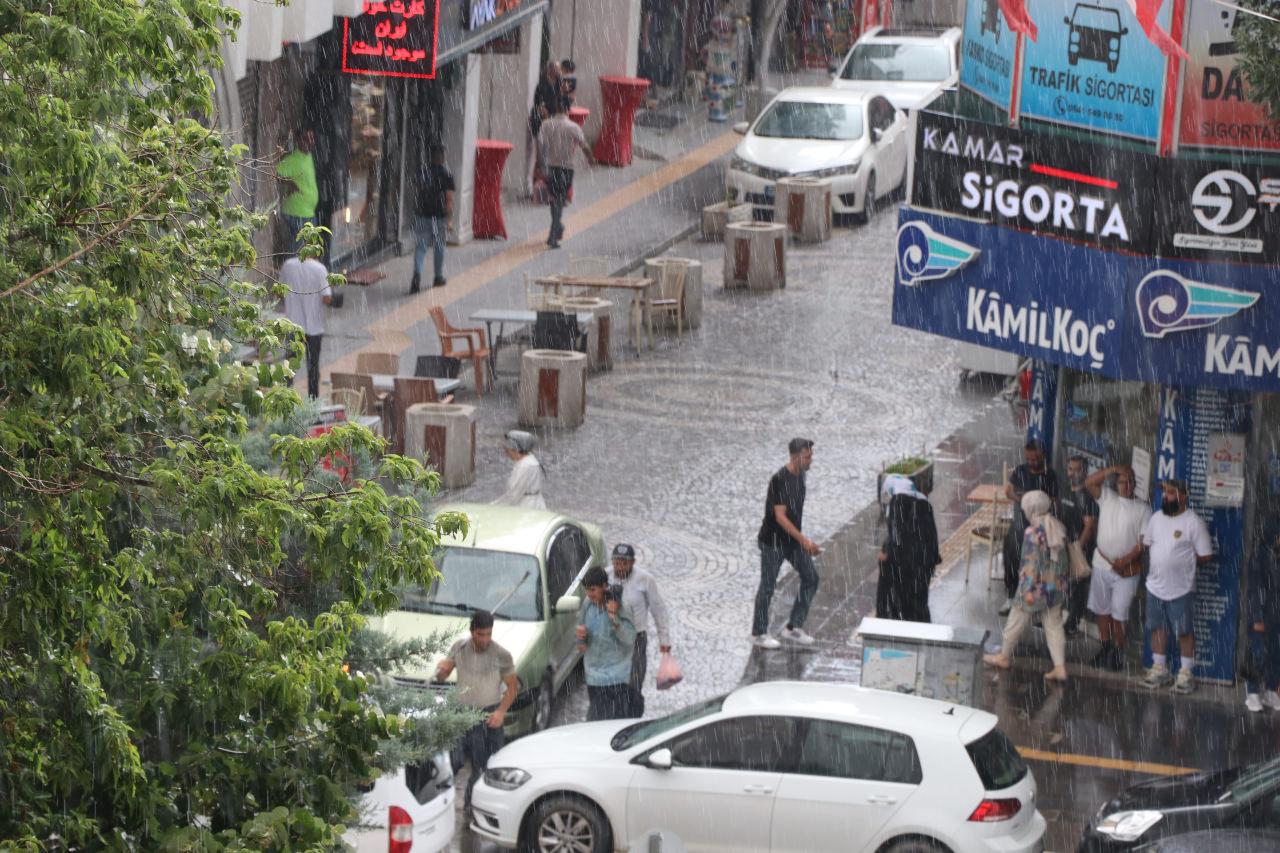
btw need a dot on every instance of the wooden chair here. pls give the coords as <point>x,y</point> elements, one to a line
<point>378,362</point>
<point>409,391</point>
<point>994,529</point>
<point>370,400</point>
<point>464,343</point>
<point>670,299</point>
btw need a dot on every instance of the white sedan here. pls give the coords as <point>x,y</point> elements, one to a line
<point>857,139</point>
<point>788,767</point>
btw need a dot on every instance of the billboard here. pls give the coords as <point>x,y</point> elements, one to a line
<point>988,49</point>
<point>1218,209</point>
<point>1092,66</point>
<point>1216,110</point>
<point>1034,181</point>
<point>392,39</point>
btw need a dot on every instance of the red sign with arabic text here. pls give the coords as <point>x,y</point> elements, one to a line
<point>392,39</point>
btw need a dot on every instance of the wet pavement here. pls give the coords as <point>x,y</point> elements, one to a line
<point>679,443</point>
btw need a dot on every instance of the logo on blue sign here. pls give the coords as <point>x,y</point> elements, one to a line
<point>1167,302</point>
<point>925,255</point>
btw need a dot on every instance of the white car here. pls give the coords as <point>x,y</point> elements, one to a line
<point>408,811</point>
<point>857,139</point>
<point>787,767</point>
<point>909,67</point>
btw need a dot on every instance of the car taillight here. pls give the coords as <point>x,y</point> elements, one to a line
<point>400,829</point>
<point>991,811</point>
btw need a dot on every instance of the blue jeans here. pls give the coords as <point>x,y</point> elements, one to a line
<point>430,230</point>
<point>1264,658</point>
<point>293,224</point>
<point>1174,615</point>
<point>770,563</point>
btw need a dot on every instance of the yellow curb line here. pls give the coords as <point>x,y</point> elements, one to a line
<point>1105,763</point>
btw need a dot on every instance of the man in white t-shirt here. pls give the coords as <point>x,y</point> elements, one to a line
<point>1177,542</point>
<point>1117,559</point>
<point>309,292</point>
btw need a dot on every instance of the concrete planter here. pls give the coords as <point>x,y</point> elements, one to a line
<point>804,205</point>
<point>716,216</point>
<point>922,477</point>
<point>443,435</point>
<point>755,255</point>
<point>553,388</point>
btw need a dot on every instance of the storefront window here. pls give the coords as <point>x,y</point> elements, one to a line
<point>1104,420</point>
<point>355,221</point>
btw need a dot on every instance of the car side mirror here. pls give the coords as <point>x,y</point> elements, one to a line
<point>1124,31</point>
<point>742,127</point>
<point>1066,21</point>
<point>659,760</point>
<point>568,604</point>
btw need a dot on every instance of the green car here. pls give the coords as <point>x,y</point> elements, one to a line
<point>524,565</point>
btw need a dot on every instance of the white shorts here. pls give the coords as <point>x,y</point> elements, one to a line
<point>1111,595</point>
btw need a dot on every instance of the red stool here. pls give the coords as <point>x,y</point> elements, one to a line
<point>486,214</point>
<point>621,96</point>
<point>578,115</point>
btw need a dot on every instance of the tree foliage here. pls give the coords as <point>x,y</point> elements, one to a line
<point>1258,40</point>
<point>176,611</point>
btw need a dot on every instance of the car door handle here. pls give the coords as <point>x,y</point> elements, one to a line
<point>757,789</point>
<point>881,800</point>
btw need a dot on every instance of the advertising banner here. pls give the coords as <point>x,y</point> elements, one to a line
<point>1125,316</point>
<point>987,52</point>
<point>1034,181</point>
<point>1227,210</point>
<point>1092,66</point>
<point>392,39</point>
<point>1216,110</point>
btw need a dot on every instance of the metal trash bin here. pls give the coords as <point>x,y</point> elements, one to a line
<point>933,661</point>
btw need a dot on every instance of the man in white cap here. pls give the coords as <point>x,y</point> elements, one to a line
<point>524,487</point>
<point>640,595</point>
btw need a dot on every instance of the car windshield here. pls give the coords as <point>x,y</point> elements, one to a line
<point>471,579</point>
<point>912,63</point>
<point>1254,780</point>
<point>997,761</point>
<point>803,120</point>
<point>641,732</point>
<point>1097,18</point>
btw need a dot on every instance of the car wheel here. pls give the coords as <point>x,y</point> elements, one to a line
<point>914,845</point>
<point>566,824</point>
<point>543,705</point>
<point>869,200</point>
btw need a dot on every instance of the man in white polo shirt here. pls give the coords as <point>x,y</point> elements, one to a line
<point>1117,559</point>
<point>1177,542</point>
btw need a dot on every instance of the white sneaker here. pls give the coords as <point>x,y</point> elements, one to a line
<point>1157,676</point>
<point>764,641</point>
<point>1253,703</point>
<point>797,635</point>
<point>1006,607</point>
<point>1185,682</point>
<point>1271,700</point>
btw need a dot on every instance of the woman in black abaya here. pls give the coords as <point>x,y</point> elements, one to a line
<point>909,554</point>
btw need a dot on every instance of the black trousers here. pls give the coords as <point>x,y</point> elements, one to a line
<point>639,667</point>
<point>313,366</point>
<point>609,702</point>
<point>558,183</point>
<point>479,743</point>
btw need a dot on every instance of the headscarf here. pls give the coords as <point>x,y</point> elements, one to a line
<point>518,440</point>
<point>900,484</point>
<point>1038,508</point>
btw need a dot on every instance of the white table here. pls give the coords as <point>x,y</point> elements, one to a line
<point>387,382</point>
<point>515,317</point>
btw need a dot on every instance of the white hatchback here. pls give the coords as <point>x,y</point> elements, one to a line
<point>408,811</point>
<point>788,767</point>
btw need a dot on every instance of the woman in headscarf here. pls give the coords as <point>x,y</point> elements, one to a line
<point>909,554</point>
<point>1041,583</point>
<point>524,487</point>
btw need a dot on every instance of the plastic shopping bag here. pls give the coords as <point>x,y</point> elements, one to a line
<point>669,672</point>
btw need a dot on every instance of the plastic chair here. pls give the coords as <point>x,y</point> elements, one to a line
<point>670,299</point>
<point>587,265</point>
<point>538,298</point>
<point>464,343</point>
<point>992,533</point>
<point>387,363</point>
<point>363,383</point>
<point>558,330</point>
<point>410,391</point>
<point>351,400</point>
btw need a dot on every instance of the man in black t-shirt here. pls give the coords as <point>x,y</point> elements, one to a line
<point>1031,476</point>
<point>780,539</point>
<point>1078,512</point>
<point>432,208</point>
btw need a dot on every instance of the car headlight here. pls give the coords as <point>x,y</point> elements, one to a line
<point>738,164</point>
<point>505,778</point>
<point>1128,826</point>
<point>834,171</point>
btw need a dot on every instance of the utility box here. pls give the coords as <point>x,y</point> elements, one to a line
<point>933,661</point>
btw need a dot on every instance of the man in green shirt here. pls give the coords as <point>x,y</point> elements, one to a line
<point>297,173</point>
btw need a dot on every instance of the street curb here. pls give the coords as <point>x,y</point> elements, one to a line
<point>657,249</point>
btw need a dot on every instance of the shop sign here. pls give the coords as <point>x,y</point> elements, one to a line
<point>988,50</point>
<point>1034,181</point>
<point>1042,404</point>
<point>392,39</point>
<point>477,13</point>
<point>1216,109</point>
<point>1092,66</point>
<point>1117,314</point>
<point>1218,209</point>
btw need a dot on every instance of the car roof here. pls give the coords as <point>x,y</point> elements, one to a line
<point>824,95</point>
<point>879,708</point>
<point>495,527</point>
<point>911,34</point>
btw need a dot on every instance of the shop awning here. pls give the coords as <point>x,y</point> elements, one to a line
<point>456,39</point>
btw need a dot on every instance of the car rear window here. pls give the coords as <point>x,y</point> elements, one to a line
<point>997,761</point>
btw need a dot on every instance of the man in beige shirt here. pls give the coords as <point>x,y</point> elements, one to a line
<point>484,667</point>
<point>558,139</point>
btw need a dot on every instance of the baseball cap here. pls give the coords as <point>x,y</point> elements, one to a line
<point>624,551</point>
<point>796,445</point>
